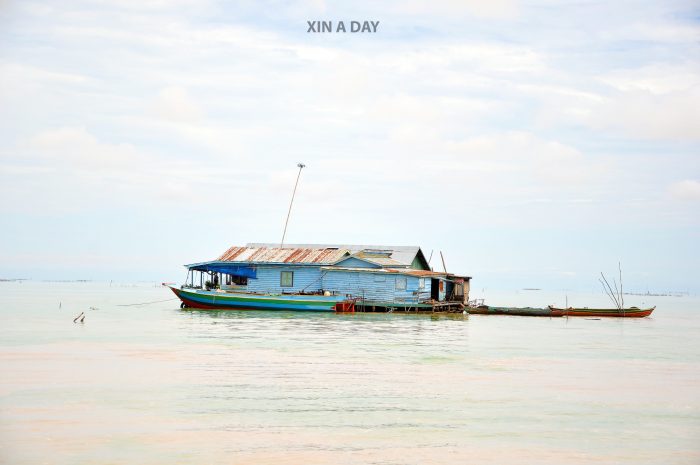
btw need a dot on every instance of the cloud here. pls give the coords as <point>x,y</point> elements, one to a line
<point>644,115</point>
<point>495,9</point>
<point>520,158</point>
<point>687,190</point>
<point>659,101</point>
<point>656,101</point>
<point>174,103</point>
<point>656,78</point>
<point>76,147</point>
<point>80,171</point>
<point>457,113</point>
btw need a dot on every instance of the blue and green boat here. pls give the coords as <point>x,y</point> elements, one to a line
<point>215,299</point>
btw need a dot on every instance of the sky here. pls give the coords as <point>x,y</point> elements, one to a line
<point>535,144</point>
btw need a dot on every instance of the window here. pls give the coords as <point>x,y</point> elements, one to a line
<point>236,280</point>
<point>421,284</point>
<point>286,278</point>
<point>401,283</point>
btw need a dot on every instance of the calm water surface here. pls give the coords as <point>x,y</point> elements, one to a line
<point>154,384</point>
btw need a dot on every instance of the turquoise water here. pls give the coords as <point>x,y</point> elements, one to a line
<point>154,384</point>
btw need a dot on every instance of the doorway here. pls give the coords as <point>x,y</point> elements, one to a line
<point>435,289</point>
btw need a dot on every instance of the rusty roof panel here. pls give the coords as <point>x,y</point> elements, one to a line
<point>232,253</point>
<point>386,262</point>
<point>406,271</point>
<point>285,255</point>
<point>402,254</point>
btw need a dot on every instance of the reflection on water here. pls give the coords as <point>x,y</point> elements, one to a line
<point>156,384</point>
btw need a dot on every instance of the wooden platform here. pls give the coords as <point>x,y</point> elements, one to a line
<point>405,307</point>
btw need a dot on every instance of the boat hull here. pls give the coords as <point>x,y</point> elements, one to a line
<point>211,300</point>
<point>632,312</point>
<point>520,311</point>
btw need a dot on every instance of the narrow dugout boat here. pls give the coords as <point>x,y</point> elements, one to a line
<point>521,311</point>
<point>631,312</point>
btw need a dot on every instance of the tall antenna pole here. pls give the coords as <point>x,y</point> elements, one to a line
<point>301,167</point>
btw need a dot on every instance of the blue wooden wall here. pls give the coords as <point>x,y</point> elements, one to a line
<point>372,286</point>
<point>306,278</point>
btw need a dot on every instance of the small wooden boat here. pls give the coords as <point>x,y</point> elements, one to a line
<point>631,312</point>
<point>521,311</point>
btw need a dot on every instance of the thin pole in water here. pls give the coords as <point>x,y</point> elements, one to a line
<point>284,233</point>
<point>622,296</point>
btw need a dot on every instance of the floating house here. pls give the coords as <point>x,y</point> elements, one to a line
<point>323,277</point>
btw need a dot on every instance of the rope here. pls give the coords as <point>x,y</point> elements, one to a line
<point>315,280</point>
<point>146,303</point>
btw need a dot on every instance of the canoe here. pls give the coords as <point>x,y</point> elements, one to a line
<point>215,300</point>
<point>521,311</point>
<point>631,312</point>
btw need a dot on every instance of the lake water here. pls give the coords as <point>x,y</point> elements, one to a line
<point>154,384</point>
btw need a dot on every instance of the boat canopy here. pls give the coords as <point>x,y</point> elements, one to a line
<point>227,268</point>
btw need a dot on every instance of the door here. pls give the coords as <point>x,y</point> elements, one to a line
<point>435,289</point>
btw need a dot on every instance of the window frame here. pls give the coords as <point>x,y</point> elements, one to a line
<point>291,278</point>
<point>401,279</point>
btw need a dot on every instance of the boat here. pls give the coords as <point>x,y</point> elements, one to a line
<point>227,300</point>
<point>631,312</point>
<point>521,311</point>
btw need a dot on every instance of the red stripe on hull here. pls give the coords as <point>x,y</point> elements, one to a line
<point>192,303</point>
<point>198,305</point>
<point>610,314</point>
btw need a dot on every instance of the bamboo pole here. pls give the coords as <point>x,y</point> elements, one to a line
<point>284,233</point>
<point>622,295</point>
<point>606,291</point>
<point>617,303</point>
<point>617,294</point>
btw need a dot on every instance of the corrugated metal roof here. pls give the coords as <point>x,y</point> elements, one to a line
<point>317,255</point>
<point>422,273</point>
<point>404,255</point>
<point>408,271</point>
<point>382,261</point>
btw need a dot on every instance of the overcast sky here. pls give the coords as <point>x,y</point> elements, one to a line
<point>534,143</point>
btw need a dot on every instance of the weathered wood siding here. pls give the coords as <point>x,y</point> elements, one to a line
<point>372,286</point>
<point>306,278</point>
<point>424,293</point>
